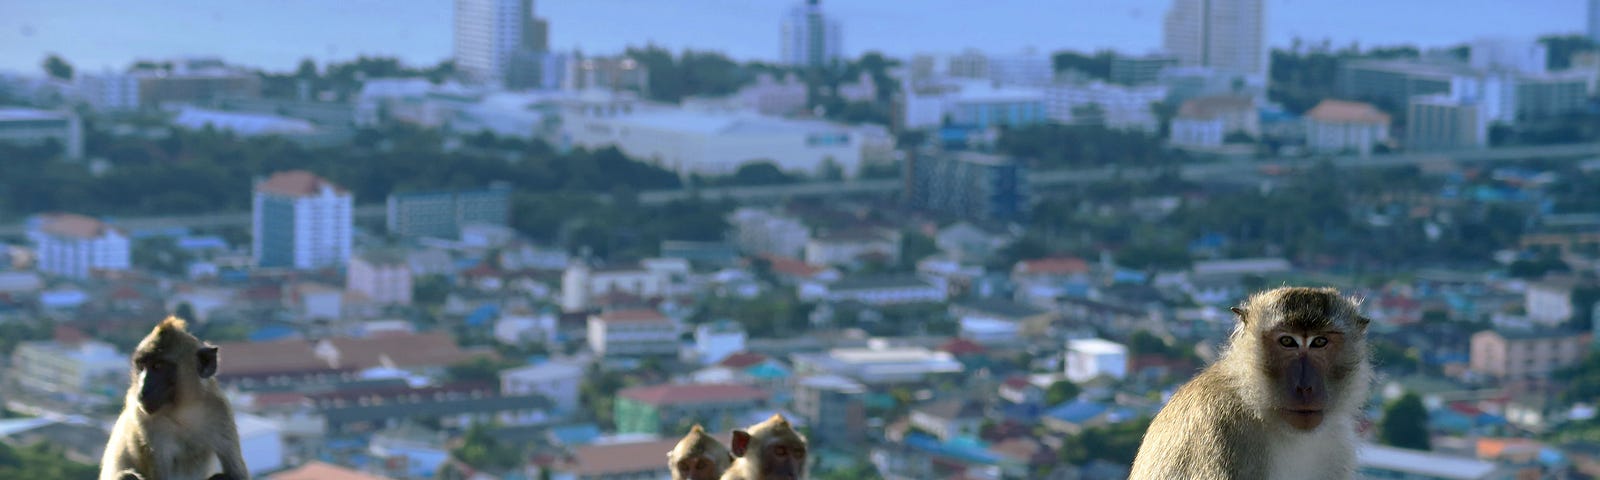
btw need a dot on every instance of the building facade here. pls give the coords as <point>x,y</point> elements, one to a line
<point>179,81</point>
<point>441,214</point>
<point>1087,359</point>
<point>555,380</point>
<point>25,126</point>
<point>1438,122</point>
<point>1222,34</point>
<point>1335,126</point>
<point>759,231</point>
<point>76,246</point>
<point>632,333</point>
<point>833,406</point>
<point>1113,106</point>
<point>1551,95</point>
<point>384,277</point>
<point>1141,70</point>
<point>300,221</point>
<point>970,185</point>
<point>808,38</point>
<point>1526,354</point>
<point>78,369</point>
<point>490,33</point>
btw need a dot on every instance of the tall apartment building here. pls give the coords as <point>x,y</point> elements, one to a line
<point>808,38</point>
<point>1594,20</point>
<point>76,246</point>
<point>301,221</point>
<point>441,214</point>
<point>490,34</point>
<point>1226,35</point>
<point>181,81</point>
<point>971,185</point>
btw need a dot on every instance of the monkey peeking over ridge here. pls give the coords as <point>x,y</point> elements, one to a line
<point>1280,403</point>
<point>175,420</point>
<point>699,456</point>
<point>770,450</point>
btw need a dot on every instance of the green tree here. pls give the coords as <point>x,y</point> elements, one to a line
<point>1060,392</point>
<point>431,290</point>
<point>1405,424</point>
<point>480,369</point>
<point>57,67</point>
<point>480,449</point>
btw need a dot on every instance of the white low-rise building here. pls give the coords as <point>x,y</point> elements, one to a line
<point>261,443</point>
<point>1335,126</point>
<point>556,380</point>
<point>886,290</point>
<point>717,340</point>
<point>759,231</point>
<point>878,363</point>
<point>1114,106</point>
<point>1091,358</point>
<point>76,246</point>
<point>1206,122</point>
<point>633,333</point>
<point>72,368</point>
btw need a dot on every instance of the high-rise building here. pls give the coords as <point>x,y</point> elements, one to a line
<point>490,34</point>
<point>301,221</point>
<point>808,37</point>
<point>1594,20</point>
<point>1226,35</point>
<point>441,214</point>
<point>970,185</point>
<point>1439,122</point>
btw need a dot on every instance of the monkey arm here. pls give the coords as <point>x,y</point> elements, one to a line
<point>225,441</point>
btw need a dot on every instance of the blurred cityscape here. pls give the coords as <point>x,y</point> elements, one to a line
<point>525,263</point>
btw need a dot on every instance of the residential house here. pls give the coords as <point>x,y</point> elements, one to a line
<point>72,367</point>
<point>765,232</point>
<point>949,418</point>
<point>1091,358</point>
<point>997,320</point>
<point>632,333</point>
<point>1382,461</point>
<point>1052,269</point>
<point>454,406</point>
<point>851,247</point>
<point>715,341</point>
<point>834,406</point>
<point>556,380</point>
<point>1548,302</point>
<point>1075,416</point>
<point>1527,354</point>
<point>621,460</point>
<point>753,369</point>
<point>674,408</point>
<point>1208,121</point>
<point>969,244</point>
<point>582,284</point>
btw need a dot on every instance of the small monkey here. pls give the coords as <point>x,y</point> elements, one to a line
<point>770,450</point>
<point>175,420</point>
<point>1280,403</point>
<point>699,456</point>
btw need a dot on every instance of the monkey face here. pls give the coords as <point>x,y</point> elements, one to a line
<point>697,467</point>
<point>1303,364</point>
<point>779,452</point>
<point>159,375</point>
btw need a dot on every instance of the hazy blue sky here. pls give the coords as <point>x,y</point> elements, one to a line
<point>275,34</point>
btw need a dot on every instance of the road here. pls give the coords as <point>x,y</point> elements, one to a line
<point>1199,171</point>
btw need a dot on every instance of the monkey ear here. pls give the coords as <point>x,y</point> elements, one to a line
<point>1240,312</point>
<point>1362,321</point>
<point>207,358</point>
<point>741,441</point>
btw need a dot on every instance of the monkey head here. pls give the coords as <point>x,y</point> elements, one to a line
<point>773,449</point>
<point>1305,355</point>
<point>699,456</point>
<point>169,363</point>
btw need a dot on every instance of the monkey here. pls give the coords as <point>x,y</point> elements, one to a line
<point>770,450</point>
<point>174,420</point>
<point>699,456</point>
<point>1281,402</point>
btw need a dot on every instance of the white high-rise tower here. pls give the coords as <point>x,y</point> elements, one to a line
<point>1226,35</point>
<point>490,33</point>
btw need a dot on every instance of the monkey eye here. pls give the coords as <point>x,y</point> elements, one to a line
<point>799,453</point>
<point>702,464</point>
<point>1288,341</point>
<point>1319,342</point>
<point>780,450</point>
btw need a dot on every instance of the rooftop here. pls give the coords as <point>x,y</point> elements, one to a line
<point>1052,266</point>
<point>19,114</point>
<point>721,123</point>
<point>1096,346</point>
<point>633,316</point>
<point>1340,111</point>
<point>1211,107</point>
<point>879,281</point>
<point>616,459</point>
<point>661,395</point>
<point>833,383</point>
<point>72,225</point>
<point>1420,463</point>
<point>297,183</point>
<point>321,471</point>
<point>742,360</point>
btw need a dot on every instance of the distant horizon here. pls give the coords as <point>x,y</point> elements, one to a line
<point>95,35</point>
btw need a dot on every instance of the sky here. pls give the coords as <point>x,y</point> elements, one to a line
<point>276,34</point>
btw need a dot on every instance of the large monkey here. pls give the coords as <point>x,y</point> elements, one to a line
<point>770,450</point>
<point>699,456</point>
<point>1280,403</point>
<point>175,420</point>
